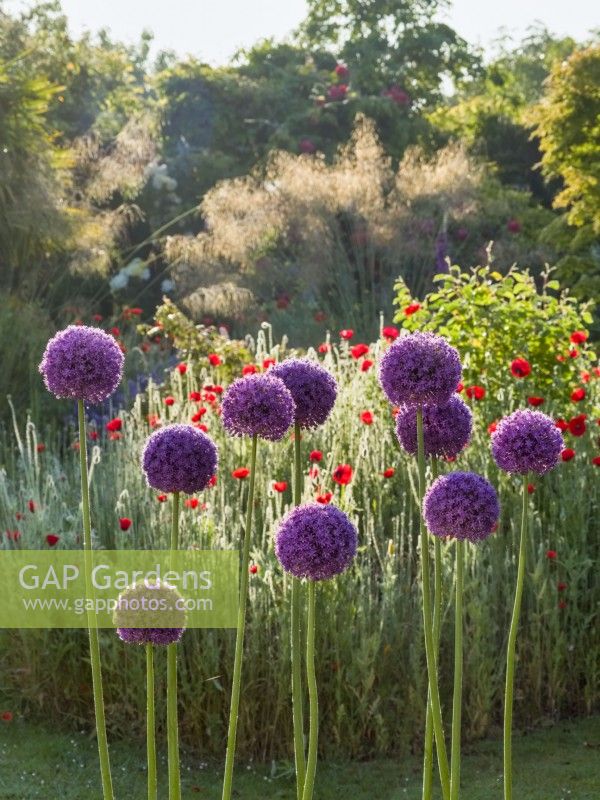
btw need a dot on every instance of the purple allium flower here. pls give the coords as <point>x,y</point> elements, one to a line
<point>316,542</point>
<point>82,363</point>
<point>143,606</point>
<point>462,505</point>
<point>179,458</point>
<point>313,388</point>
<point>527,441</point>
<point>258,405</point>
<point>446,428</point>
<point>419,369</point>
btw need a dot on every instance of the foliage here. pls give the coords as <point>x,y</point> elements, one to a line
<point>496,318</point>
<point>306,237</point>
<point>568,126</point>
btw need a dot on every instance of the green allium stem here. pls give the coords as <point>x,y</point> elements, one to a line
<point>150,724</point>
<point>107,788</point>
<point>172,723</point>
<point>239,643</point>
<point>296,639</point>
<point>511,648</point>
<point>437,619</point>
<point>458,669</point>
<point>436,710</point>
<point>313,697</point>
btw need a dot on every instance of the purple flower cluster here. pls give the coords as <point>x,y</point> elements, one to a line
<point>179,458</point>
<point>82,363</point>
<point>527,441</point>
<point>446,428</point>
<point>463,505</point>
<point>316,542</point>
<point>258,405</point>
<point>145,605</point>
<point>420,369</point>
<point>313,388</point>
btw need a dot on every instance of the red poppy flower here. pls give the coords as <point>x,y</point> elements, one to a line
<point>191,502</point>
<point>367,417</point>
<point>460,387</point>
<point>579,337</point>
<point>240,473</point>
<point>169,400</point>
<point>40,447</point>
<point>124,523</point>
<point>342,474</point>
<point>162,498</point>
<point>530,488</point>
<point>115,331</point>
<point>212,482</point>
<point>412,309</point>
<point>561,586</point>
<point>551,554</point>
<point>475,392</point>
<point>390,333</point>
<point>359,350</point>
<point>268,362</point>
<point>596,461</point>
<point>182,368</point>
<point>31,506</point>
<point>520,368</point>
<point>214,359</point>
<point>562,425</point>
<point>279,486</point>
<point>324,348</point>
<point>316,455</point>
<point>324,499</point>
<point>199,414</point>
<point>218,389</point>
<point>195,397</point>
<point>346,334</point>
<point>573,353</point>
<point>52,539</point>
<point>492,427</point>
<point>389,472</point>
<point>366,365</point>
<point>114,424</point>
<point>249,369</point>
<point>578,394</point>
<point>6,716</point>
<point>535,401</point>
<point>253,569</point>
<point>567,454</point>
<point>577,425</point>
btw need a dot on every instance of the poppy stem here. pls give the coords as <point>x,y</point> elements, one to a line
<point>313,696</point>
<point>511,648</point>
<point>172,723</point>
<point>296,639</point>
<point>107,789</point>
<point>436,710</point>
<point>150,723</point>
<point>437,618</point>
<point>239,642</point>
<point>458,669</point>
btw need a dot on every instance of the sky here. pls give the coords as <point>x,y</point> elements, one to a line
<point>212,30</point>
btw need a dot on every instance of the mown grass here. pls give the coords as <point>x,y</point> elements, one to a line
<point>554,763</point>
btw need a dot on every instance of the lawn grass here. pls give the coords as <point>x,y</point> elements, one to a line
<point>561,762</point>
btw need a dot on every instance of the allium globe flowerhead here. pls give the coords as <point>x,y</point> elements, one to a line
<point>527,441</point>
<point>82,363</point>
<point>258,405</point>
<point>179,458</point>
<point>140,616</point>
<point>315,541</point>
<point>420,369</point>
<point>313,388</point>
<point>462,505</point>
<point>446,428</point>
